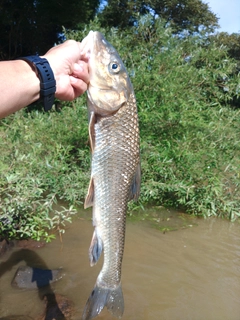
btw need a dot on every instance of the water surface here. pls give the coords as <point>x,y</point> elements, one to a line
<point>190,273</point>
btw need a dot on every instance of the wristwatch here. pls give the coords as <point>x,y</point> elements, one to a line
<point>47,81</point>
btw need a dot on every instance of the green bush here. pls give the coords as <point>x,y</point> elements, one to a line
<point>45,159</point>
<point>186,88</point>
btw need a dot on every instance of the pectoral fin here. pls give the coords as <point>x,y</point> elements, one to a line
<point>91,130</point>
<point>135,187</point>
<point>90,195</point>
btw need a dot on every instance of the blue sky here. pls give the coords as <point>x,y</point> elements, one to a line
<point>228,12</point>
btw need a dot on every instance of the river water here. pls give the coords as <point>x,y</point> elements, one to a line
<point>190,273</point>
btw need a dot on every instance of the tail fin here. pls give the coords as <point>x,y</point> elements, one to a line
<point>101,297</point>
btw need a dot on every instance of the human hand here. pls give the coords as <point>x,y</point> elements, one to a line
<point>69,68</point>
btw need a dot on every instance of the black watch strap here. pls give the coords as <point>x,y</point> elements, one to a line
<point>47,80</point>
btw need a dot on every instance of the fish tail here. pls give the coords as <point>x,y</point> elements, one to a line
<point>101,297</point>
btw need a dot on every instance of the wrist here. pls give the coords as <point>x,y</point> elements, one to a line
<point>30,79</point>
<point>45,74</point>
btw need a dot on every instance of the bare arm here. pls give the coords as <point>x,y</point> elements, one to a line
<point>20,85</point>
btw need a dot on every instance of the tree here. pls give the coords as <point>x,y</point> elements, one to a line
<point>191,15</point>
<point>33,26</point>
<point>231,41</point>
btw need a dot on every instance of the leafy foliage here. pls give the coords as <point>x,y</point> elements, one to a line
<point>29,27</point>
<point>182,15</point>
<point>190,126</point>
<point>45,159</point>
<point>231,41</point>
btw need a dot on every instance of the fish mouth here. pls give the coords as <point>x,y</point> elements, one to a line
<point>87,45</point>
<point>94,42</point>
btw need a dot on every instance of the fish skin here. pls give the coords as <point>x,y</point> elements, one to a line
<point>115,168</point>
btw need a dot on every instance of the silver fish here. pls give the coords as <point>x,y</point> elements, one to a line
<point>115,168</point>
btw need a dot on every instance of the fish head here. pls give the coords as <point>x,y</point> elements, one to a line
<point>109,87</point>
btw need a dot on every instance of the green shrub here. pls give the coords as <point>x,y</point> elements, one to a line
<point>45,159</point>
<point>186,88</point>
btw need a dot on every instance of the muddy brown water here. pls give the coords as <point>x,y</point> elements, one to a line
<point>190,273</point>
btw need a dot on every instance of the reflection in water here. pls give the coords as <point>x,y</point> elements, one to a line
<point>191,273</point>
<point>32,259</point>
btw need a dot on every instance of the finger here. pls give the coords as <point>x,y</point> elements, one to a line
<point>80,70</point>
<point>78,85</point>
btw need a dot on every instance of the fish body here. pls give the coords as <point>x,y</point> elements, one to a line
<point>115,168</point>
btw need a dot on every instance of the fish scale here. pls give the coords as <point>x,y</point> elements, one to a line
<point>115,169</point>
<point>113,206</point>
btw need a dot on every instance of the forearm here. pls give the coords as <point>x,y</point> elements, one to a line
<point>19,85</point>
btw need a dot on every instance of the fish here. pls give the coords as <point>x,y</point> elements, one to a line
<point>115,168</point>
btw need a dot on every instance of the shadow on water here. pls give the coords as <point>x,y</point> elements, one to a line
<point>33,260</point>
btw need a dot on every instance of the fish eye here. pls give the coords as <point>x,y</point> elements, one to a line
<point>114,67</point>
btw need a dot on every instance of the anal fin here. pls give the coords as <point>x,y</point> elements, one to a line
<point>95,249</point>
